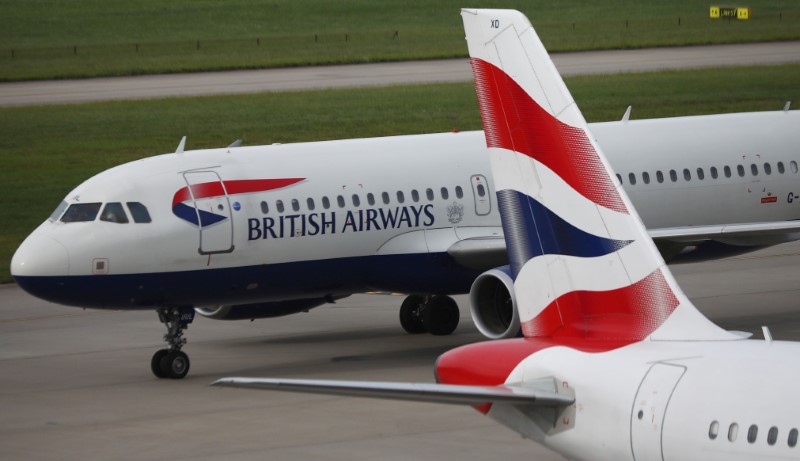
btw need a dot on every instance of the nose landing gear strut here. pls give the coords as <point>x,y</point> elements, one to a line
<point>172,362</point>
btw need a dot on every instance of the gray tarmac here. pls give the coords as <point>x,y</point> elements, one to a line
<point>383,74</point>
<point>76,384</point>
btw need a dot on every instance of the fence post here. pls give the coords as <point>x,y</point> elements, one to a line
<point>75,50</point>
<point>626,23</point>
<point>258,41</point>
<point>679,20</point>
<point>137,47</point>
<point>12,53</point>
<point>346,37</point>
<point>198,44</point>
<point>315,38</point>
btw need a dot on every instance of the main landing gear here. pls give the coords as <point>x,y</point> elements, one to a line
<point>172,362</point>
<point>437,315</point>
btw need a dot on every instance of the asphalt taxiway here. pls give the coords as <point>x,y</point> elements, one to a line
<point>383,74</point>
<point>76,384</point>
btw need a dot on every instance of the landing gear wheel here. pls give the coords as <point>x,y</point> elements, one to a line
<point>155,363</point>
<point>175,365</point>
<point>171,362</point>
<point>441,316</point>
<point>411,314</point>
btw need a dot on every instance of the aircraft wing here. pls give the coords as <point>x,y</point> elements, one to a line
<point>418,392</point>
<point>484,253</point>
<point>727,231</point>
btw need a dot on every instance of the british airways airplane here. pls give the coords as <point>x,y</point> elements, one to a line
<point>616,362</point>
<point>265,231</point>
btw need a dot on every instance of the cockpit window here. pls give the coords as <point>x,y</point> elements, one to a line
<point>139,212</point>
<point>81,212</point>
<point>59,211</point>
<point>113,212</point>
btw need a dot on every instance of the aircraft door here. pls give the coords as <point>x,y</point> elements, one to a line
<point>213,208</point>
<point>650,408</point>
<point>480,190</point>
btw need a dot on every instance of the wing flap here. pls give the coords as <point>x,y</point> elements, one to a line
<point>416,392</point>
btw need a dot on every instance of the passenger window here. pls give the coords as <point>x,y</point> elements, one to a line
<point>754,169</point>
<point>727,170</point>
<point>646,177</point>
<point>340,201</point>
<point>481,190</point>
<point>781,169</point>
<point>713,431</point>
<point>400,197</point>
<point>58,211</point>
<point>279,206</point>
<point>429,194</point>
<point>793,166</point>
<point>310,204</point>
<point>81,212</point>
<point>460,192</point>
<point>385,197</point>
<point>445,193</point>
<point>673,175</point>
<point>619,178</point>
<point>295,204</point>
<point>414,195</point>
<point>356,200</point>
<point>792,438</point>
<point>700,174</point>
<point>326,203</point>
<point>264,208</point>
<point>687,175</point>
<point>752,433</point>
<point>767,168</point>
<point>714,174</point>
<point>772,435</point>
<point>659,176</point>
<point>140,213</point>
<point>740,170</point>
<point>632,179</point>
<point>371,199</point>
<point>113,212</point>
<point>733,432</point>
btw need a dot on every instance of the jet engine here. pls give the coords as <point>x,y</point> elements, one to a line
<point>263,310</point>
<point>493,305</point>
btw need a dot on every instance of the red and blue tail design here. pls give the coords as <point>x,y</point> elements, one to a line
<point>583,264</point>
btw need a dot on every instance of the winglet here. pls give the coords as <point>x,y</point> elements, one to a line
<point>583,264</point>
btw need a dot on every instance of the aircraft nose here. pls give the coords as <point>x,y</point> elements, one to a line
<point>38,256</point>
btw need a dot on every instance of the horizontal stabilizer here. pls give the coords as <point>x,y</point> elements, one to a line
<point>416,392</point>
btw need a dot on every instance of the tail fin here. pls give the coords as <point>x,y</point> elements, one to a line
<point>583,264</point>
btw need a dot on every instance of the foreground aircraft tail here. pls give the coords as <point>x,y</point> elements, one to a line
<point>583,263</point>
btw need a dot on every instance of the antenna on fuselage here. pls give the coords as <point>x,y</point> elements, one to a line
<point>787,106</point>
<point>627,115</point>
<point>236,143</point>
<point>181,145</point>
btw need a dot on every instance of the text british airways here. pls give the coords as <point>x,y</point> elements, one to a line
<point>371,219</point>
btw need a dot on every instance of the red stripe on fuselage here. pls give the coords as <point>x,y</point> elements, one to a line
<point>630,313</point>
<point>514,121</point>
<point>490,363</point>
<point>241,186</point>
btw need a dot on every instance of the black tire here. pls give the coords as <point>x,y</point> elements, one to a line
<point>175,365</point>
<point>441,316</point>
<point>410,318</point>
<point>155,363</point>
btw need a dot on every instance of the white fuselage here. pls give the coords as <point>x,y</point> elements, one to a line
<point>376,213</point>
<point>667,400</point>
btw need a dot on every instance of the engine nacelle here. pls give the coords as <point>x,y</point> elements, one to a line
<point>263,310</point>
<point>493,304</point>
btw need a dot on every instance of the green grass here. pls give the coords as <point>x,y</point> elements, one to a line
<point>57,39</point>
<point>47,151</point>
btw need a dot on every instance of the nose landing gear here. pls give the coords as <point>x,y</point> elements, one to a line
<point>172,362</point>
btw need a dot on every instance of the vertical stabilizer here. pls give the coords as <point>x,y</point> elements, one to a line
<point>583,264</point>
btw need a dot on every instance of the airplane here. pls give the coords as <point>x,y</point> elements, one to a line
<point>616,363</point>
<point>258,232</point>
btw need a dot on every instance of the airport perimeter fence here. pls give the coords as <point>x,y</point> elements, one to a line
<point>656,26</point>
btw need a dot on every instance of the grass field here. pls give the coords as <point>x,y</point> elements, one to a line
<point>47,151</point>
<point>56,39</point>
